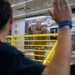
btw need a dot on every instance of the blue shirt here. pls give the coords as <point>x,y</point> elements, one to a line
<point>13,62</point>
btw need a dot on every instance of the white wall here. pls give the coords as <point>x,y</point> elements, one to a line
<point>19,28</point>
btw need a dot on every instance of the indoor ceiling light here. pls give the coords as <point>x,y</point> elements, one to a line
<point>21,3</point>
<point>35,12</point>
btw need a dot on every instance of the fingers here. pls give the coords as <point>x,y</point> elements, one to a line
<point>61,11</point>
<point>66,2</point>
<point>62,3</point>
<point>51,12</point>
<point>57,4</point>
<point>30,23</point>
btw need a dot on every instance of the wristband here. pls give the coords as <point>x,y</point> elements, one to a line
<point>65,23</point>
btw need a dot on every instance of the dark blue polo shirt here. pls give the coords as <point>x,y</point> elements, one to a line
<point>13,62</point>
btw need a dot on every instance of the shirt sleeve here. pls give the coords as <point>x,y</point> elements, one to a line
<point>20,65</point>
<point>30,31</point>
<point>31,69</point>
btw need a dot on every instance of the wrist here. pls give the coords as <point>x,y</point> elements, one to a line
<point>65,23</point>
<point>64,28</point>
<point>29,26</point>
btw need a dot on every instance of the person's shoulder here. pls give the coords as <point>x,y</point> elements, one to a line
<point>6,48</point>
<point>43,28</point>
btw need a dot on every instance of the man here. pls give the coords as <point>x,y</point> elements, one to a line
<point>38,30</point>
<point>13,62</point>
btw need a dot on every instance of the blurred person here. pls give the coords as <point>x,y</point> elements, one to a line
<point>13,62</point>
<point>38,30</point>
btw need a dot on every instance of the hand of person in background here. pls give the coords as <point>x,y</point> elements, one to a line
<point>30,25</point>
<point>61,12</point>
<point>43,48</point>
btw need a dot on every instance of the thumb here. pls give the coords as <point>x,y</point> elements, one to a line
<point>51,12</point>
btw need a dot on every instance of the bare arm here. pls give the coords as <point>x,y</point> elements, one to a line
<point>29,29</point>
<point>60,65</point>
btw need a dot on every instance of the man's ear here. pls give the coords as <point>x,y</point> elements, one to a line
<point>11,19</point>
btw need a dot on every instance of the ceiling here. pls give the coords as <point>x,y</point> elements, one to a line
<point>21,7</point>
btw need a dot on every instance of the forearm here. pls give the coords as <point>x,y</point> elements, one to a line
<point>64,44</point>
<point>30,31</point>
<point>60,64</point>
<point>63,51</point>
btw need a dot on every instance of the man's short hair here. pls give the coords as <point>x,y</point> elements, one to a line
<point>5,12</point>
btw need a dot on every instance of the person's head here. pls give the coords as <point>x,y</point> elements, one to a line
<point>38,23</point>
<point>6,18</point>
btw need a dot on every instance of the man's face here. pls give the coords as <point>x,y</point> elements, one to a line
<point>38,23</point>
